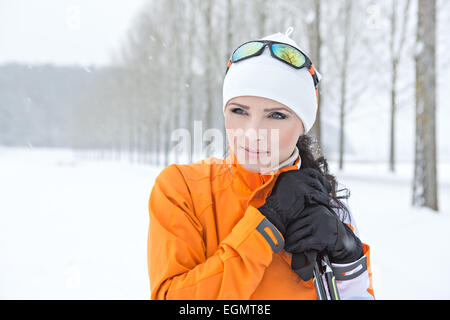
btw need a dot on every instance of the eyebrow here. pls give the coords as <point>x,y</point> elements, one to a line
<point>271,109</point>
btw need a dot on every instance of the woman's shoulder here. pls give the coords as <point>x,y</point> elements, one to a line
<point>205,169</point>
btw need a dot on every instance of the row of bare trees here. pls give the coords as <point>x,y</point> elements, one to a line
<point>170,72</point>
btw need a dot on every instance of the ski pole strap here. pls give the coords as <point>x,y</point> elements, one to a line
<point>340,271</point>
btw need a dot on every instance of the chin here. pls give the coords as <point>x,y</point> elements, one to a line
<point>254,167</point>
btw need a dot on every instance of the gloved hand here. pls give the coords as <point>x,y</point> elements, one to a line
<point>294,190</point>
<point>319,230</point>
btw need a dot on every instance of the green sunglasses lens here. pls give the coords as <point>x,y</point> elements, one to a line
<point>289,54</point>
<point>246,50</point>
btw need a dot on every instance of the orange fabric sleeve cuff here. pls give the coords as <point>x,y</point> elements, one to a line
<point>256,228</point>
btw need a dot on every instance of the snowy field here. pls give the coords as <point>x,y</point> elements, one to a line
<point>77,229</point>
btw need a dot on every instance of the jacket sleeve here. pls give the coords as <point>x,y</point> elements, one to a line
<point>354,280</point>
<point>177,263</point>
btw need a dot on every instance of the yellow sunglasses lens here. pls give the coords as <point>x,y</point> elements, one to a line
<point>246,50</point>
<point>289,54</point>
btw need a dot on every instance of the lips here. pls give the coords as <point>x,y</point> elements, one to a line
<point>256,152</point>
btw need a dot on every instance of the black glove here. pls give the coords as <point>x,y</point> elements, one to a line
<point>303,263</point>
<point>319,229</point>
<point>294,190</point>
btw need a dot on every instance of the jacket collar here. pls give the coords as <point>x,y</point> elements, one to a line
<point>255,180</point>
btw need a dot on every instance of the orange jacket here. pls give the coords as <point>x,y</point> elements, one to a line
<point>204,241</point>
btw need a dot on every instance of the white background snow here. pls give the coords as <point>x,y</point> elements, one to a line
<point>72,228</point>
<point>77,229</point>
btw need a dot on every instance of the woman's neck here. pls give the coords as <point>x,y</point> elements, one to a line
<point>289,161</point>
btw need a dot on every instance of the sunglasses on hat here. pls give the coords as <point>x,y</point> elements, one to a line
<point>278,50</point>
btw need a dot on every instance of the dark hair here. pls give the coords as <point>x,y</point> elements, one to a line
<point>311,158</point>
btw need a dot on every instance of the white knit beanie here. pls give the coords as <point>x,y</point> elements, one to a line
<point>266,77</point>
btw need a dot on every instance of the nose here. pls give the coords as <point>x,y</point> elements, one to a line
<point>253,126</point>
<point>255,134</point>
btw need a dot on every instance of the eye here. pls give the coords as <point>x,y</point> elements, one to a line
<point>278,115</point>
<point>237,110</point>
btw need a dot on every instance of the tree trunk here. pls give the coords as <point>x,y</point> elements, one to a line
<point>425,191</point>
<point>229,49</point>
<point>209,84</point>
<point>345,58</point>
<point>393,112</point>
<point>316,41</point>
<point>393,86</point>
<point>396,51</point>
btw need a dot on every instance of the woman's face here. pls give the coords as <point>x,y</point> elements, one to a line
<point>261,132</point>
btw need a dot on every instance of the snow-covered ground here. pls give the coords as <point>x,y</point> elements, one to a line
<point>77,229</point>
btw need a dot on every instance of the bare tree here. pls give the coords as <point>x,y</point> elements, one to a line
<point>228,49</point>
<point>191,7</point>
<point>208,60</point>
<point>316,45</point>
<point>425,187</point>
<point>396,45</point>
<point>262,16</point>
<point>345,58</point>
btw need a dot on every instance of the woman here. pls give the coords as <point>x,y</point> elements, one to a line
<point>250,226</point>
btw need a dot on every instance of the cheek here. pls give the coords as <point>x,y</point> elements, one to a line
<point>230,125</point>
<point>230,136</point>
<point>288,137</point>
<point>234,127</point>
<point>233,121</point>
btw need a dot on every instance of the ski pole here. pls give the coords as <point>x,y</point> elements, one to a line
<point>318,283</point>
<point>330,278</point>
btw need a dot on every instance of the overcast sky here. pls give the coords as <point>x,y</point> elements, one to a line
<point>82,32</point>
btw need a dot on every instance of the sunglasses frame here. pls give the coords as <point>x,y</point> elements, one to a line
<point>268,43</point>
